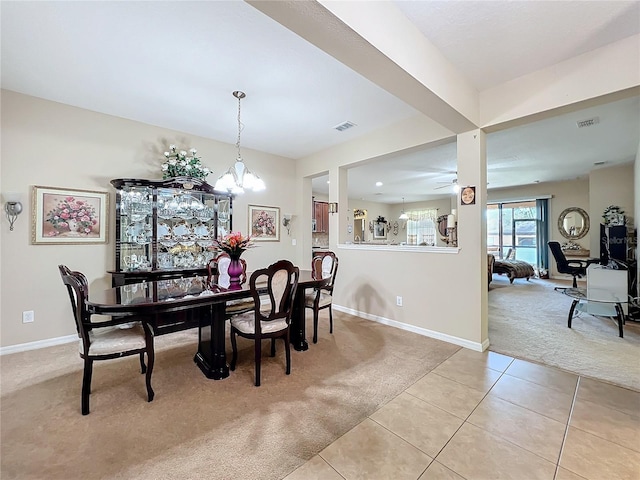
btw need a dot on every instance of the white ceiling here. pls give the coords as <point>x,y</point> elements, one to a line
<point>175,64</point>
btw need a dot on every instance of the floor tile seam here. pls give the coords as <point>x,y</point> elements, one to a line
<point>496,434</point>
<point>404,440</point>
<point>327,462</point>
<point>504,439</point>
<point>637,417</point>
<point>542,385</point>
<point>465,385</point>
<point>462,424</point>
<point>566,430</point>
<point>529,409</point>
<point>432,370</point>
<point>605,439</point>
<point>433,405</point>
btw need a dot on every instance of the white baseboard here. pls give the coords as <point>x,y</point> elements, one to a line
<point>478,347</point>
<point>49,342</point>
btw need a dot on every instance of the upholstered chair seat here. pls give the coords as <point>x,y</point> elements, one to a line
<point>246,323</point>
<point>323,301</point>
<point>111,340</point>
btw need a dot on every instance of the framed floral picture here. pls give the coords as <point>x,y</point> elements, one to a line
<point>264,223</point>
<point>66,216</point>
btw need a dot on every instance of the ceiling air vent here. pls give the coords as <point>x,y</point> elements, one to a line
<point>344,126</point>
<point>589,122</point>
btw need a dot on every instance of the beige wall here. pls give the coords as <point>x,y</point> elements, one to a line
<point>609,186</point>
<point>50,144</point>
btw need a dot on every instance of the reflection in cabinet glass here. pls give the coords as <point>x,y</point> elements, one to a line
<point>165,228</point>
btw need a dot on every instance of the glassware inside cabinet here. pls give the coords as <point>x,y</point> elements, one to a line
<point>136,228</point>
<point>224,217</point>
<point>185,228</point>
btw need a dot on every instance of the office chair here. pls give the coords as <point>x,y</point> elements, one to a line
<point>577,268</point>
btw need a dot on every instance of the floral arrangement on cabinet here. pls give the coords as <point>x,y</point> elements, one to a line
<point>72,214</point>
<point>183,164</point>
<point>613,215</point>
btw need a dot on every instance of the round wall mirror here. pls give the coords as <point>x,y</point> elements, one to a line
<point>442,226</point>
<point>573,223</point>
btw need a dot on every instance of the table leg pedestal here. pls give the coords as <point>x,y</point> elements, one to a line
<point>211,356</point>
<point>298,327</point>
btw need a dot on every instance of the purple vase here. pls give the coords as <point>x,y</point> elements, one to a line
<point>235,272</point>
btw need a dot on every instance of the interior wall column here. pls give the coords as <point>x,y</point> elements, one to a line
<point>338,193</point>
<point>472,230</point>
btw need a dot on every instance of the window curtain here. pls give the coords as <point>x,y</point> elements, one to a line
<point>421,226</point>
<point>542,232</point>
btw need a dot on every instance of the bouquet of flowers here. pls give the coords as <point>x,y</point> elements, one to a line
<point>183,164</point>
<point>264,224</point>
<point>233,244</point>
<point>72,214</point>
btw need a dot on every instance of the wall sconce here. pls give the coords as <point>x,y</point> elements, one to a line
<point>12,207</point>
<point>333,207</point>
<point>286,222</point>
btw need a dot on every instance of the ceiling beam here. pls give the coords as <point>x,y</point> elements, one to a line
<point>377,41</point>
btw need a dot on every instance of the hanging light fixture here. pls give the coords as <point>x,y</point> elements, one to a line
<point>239,177</point>
<point>403,215</point>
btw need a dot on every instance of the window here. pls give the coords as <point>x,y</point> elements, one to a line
<point>513,226</point>
<point>421,227</point>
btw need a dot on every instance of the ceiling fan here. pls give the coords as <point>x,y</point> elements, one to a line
<point>452,183</point>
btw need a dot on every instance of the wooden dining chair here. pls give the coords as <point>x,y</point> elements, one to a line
<point>272,321</point>
<point>219,266</point>
<point>104,340</point>
<point>323,265</point>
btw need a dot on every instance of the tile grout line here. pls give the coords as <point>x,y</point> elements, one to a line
<point>566,430</point>
<point>467,417</point>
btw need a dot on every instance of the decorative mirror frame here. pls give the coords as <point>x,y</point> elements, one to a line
<point>561,218</point>
<point>442,226</point>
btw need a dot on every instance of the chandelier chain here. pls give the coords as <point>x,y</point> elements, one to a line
<point>239,96</point>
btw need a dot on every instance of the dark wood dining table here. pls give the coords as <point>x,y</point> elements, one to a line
<point>159,299</point>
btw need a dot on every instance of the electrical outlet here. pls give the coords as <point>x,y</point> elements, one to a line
<point>399,301</point>
<point>293,242</point>
<point>28,316</point>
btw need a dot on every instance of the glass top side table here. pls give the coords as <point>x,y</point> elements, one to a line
<point>600,302</point>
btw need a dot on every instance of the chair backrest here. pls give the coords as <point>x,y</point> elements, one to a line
<point>325,265</point>
<point>78,289</point>
<point>281,285</point>
<point>558,254</point>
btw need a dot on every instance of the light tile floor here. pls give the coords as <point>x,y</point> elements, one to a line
<point>487,416</point>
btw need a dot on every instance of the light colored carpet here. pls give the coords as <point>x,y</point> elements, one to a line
<point>528,320</point>
<point>198,428</point>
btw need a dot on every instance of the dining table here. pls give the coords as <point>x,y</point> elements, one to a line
<point>155,301</point>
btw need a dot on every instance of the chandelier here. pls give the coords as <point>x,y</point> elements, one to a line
<point>403,215</point>
<point>239,177</point>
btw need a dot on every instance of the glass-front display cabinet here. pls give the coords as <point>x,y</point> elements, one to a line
<point>166,228</point>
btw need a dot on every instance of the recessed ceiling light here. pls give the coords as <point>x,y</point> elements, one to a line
<point>378,184</point>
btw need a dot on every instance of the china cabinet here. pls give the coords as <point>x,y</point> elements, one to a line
<point>165,228</point>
